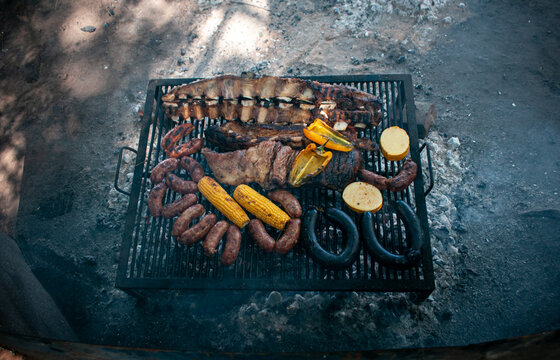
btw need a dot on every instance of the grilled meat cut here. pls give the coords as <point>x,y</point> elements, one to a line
<point>272,100</point>
<point>234,135</point>
<point>269,163</point>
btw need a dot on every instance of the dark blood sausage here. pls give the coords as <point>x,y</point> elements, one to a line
<point>379,181</point>
<point>174,135</point>
<point>155,200</point>
<point>318,253</point>
<point>178,206</point>
<point>190,147</point>
<point>410,256</point>
<point>233,245</point>
<point>258,233</point>
<point>194,169</point>
<point>288,202</point>
<point>405,177</point>
<point>162,169</point>
<point>213,237</point>
<point>181,186</point>
<point>289,238</point>
<point>198,231</point>
<point>182,223</point>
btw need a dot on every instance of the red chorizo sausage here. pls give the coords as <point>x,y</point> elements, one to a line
<point>258,232</point>
<point>379,181</point>
<point>213,237</point>
<point>182,223</point>
<point>178,206</point>
<point>181,186</point>
<point>174,135</point>
<point>289,238</point>
<point>405,177</point>
<point>288,202</point>
<point>233,245</point>
<point>190,147</point>
<point>198,231</point>
<point>156,198</point>
<point>162,169</point>
<point>194,169</point>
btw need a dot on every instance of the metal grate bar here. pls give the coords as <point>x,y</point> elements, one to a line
<point>151,258</point>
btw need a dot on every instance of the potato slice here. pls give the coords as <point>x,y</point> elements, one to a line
<point>362,197</point>
<point>394,143</point>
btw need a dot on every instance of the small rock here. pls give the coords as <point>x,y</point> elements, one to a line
<point>106,25</point>
<point>419,86</point>
<point>411,51</point>
<point>183,52</point>
<point>424,6</point>
<point>290,70</point>
<point>180,61</point>
<point>111,12</point>
<point>461,5</point>
<point>171,71</point>
<point>88,29</point>
<point>447,20</point>
<point>184,69</point>
<point>453,143</point>
<point>273,299</point>
<point>401,59</point>
<point>369,60</point>
<point>191,60</point>
<point>89,260</point>
<point>292,308</point>
<point>354,61</point>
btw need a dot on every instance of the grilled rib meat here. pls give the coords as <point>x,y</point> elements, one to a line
<point>269,163</point>
<point>270,100</point>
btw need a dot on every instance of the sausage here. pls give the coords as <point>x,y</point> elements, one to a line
<point>182,223</point>
<point>198,231</point>
<point>178,206</point>
<point>379,181</point>
<point>405,177</point>
<point>318,253</point>
<point>213,237</point>
<point>288,202</point>
<point>190,147</point>
<point>233,245</point>
<point>181,186</point>
<point>194,169</point>
<point>410,256</point>
<point>258,233</point>
<point>155,200</point>
<point>162,169</point>
<point>174,135</point>
<point>289,238</point>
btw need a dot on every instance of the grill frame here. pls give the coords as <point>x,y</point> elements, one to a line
<point>399,110</point>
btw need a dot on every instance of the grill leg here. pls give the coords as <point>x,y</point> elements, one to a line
<point>137,294</point>
<point>418,297</point>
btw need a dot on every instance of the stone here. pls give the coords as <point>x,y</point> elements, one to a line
<point>354,61</point>
<point>273,299</point>
<point>453,143</point>
<point>88,29</point>
<point>447,20</point>
<point>401,59</point>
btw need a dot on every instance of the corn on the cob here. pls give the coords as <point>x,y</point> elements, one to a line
<point>260,206</point>
<point>221,200</point>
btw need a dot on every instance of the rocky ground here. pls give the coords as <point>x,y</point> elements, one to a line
<point>74,77</point>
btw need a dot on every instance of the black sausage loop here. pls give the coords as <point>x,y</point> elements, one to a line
<point>411,256</point>
<point>318,253</point>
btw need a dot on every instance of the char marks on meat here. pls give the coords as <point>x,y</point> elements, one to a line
<point>269,162</point>
<point>234,135</point>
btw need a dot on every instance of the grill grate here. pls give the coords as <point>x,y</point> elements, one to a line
<point>151,258</point>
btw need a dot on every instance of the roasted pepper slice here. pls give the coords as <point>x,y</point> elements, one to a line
<point>319,132</point>
<point>309,162</point>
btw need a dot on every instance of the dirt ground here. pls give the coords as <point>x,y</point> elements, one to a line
<point>70,97</point>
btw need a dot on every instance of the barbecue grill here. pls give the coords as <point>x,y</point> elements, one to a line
<point>150,258</point>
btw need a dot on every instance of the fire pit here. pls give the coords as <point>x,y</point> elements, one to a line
<point>150,258</point>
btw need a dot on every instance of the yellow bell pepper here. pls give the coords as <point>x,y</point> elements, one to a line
<point>319,131</point>
<point>308,163</point>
